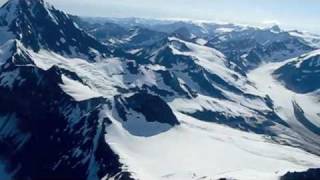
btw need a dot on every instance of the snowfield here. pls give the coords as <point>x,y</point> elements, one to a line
<point>77,90</point>
<point>209,58</point>
<point>199,150</point>
<point>167,110</point>
<point>283,99</point>
<point>196,149</point>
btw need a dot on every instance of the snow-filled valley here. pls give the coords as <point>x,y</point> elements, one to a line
<point>284,99</point>
<point>199,150</point>
<point>136,99</point>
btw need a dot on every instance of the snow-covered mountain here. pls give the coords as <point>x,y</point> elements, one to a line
<point>40,26</point>
<point>251,47</point>
<point>143,99</point>
<point>302,73</point>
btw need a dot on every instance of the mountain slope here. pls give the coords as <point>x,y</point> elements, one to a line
<point>289,105</point>
<point>61,115</point>
<point>205,151</point>
<point>170,108</point>
<point>302,74</point>
<point>250,47</point>
<point>37,123</point>
<point>40,26</point>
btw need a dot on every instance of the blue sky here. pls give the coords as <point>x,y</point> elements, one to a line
<point>299,14</point>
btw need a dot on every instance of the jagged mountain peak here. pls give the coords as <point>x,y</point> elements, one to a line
<point>29,3</point>
<point>38,25</point>
<point>13,8</point>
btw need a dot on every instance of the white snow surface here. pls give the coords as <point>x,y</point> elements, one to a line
<point>194,149</point>
<point>283,99</point>
<point>77,90</point>
<point>224,30</point>
<point>103,78</point>
<point>201,41</point>
<point>199,150</point>
<point>210,59</point>
<point>312,39</point>
<point>100,81</point>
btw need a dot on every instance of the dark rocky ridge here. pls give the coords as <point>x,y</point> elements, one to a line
<point>44,132</point>
<point>250,47</point>
<point>57,124</point>
<point>301,77</point>
<point>152,107</point>
<point>38,25</point>
<point>47,141</point>
<point>311,174</point>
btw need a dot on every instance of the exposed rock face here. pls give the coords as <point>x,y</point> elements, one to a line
<point>45,133</point>
<point>153,108</point>
<point>38,25</point>
<point>72,107</point>
<point>311,174</point>
<point>301,75</point>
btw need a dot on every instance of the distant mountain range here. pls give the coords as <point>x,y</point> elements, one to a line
<point>108,98</point>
